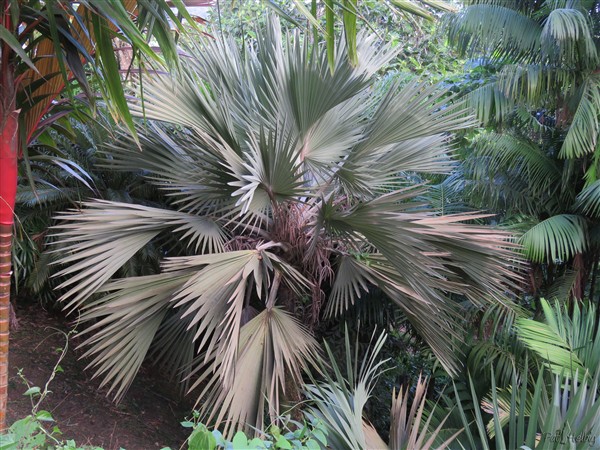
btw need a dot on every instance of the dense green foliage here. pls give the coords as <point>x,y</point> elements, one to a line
<point>536,163</point>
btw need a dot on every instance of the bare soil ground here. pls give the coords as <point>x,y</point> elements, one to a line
<point>147,418</point>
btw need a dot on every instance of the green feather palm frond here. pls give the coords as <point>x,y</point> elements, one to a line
<point>566,342</point>
<point>558,238</point>
<point>588,200</point>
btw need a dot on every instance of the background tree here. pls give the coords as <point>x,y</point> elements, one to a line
<point>537,164</point>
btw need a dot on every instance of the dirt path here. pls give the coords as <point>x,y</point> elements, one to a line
<point>148,417</point>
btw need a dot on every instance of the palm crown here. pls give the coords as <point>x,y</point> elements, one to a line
<point>286,190</point>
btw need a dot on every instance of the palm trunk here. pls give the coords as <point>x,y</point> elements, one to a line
<point>8,190</point>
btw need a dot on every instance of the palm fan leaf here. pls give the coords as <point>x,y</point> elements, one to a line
<point>395,269</point>
<point>101,251</point>
<point>274,348</point>
<point>124,324</point>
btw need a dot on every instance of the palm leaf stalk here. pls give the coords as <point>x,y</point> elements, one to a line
<point>288,191</point>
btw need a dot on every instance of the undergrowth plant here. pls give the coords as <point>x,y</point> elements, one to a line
<point>38,430</point>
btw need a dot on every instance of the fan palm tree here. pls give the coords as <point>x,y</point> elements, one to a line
<point>43,48</point>
<point>540,160</point>
<point>288,188</point>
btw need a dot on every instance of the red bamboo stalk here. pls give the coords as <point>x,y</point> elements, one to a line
<point>8,189</point>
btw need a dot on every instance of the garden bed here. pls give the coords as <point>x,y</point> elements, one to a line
<point>148,417</point>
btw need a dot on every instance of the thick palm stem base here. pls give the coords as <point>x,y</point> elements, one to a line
<point>5,273</point>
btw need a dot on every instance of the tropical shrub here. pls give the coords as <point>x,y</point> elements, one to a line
<point>542,389</point>
<point>290,195</point>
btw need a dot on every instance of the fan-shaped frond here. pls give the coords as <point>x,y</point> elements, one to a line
<point>123,325</point>
<point>407,132</point>
<point>274,348</point>
<point>412,246</point>
<point>351,281</point>
<point>97,240</point>
<point>214,295</point>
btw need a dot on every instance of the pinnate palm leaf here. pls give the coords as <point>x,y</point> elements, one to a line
<point>584,131</point>
<point>588,200</point>
<point>559,238</point>
<point>495,25</point>
<point>570,29</point>
<point>504,153</point>
<point>568,343</point>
